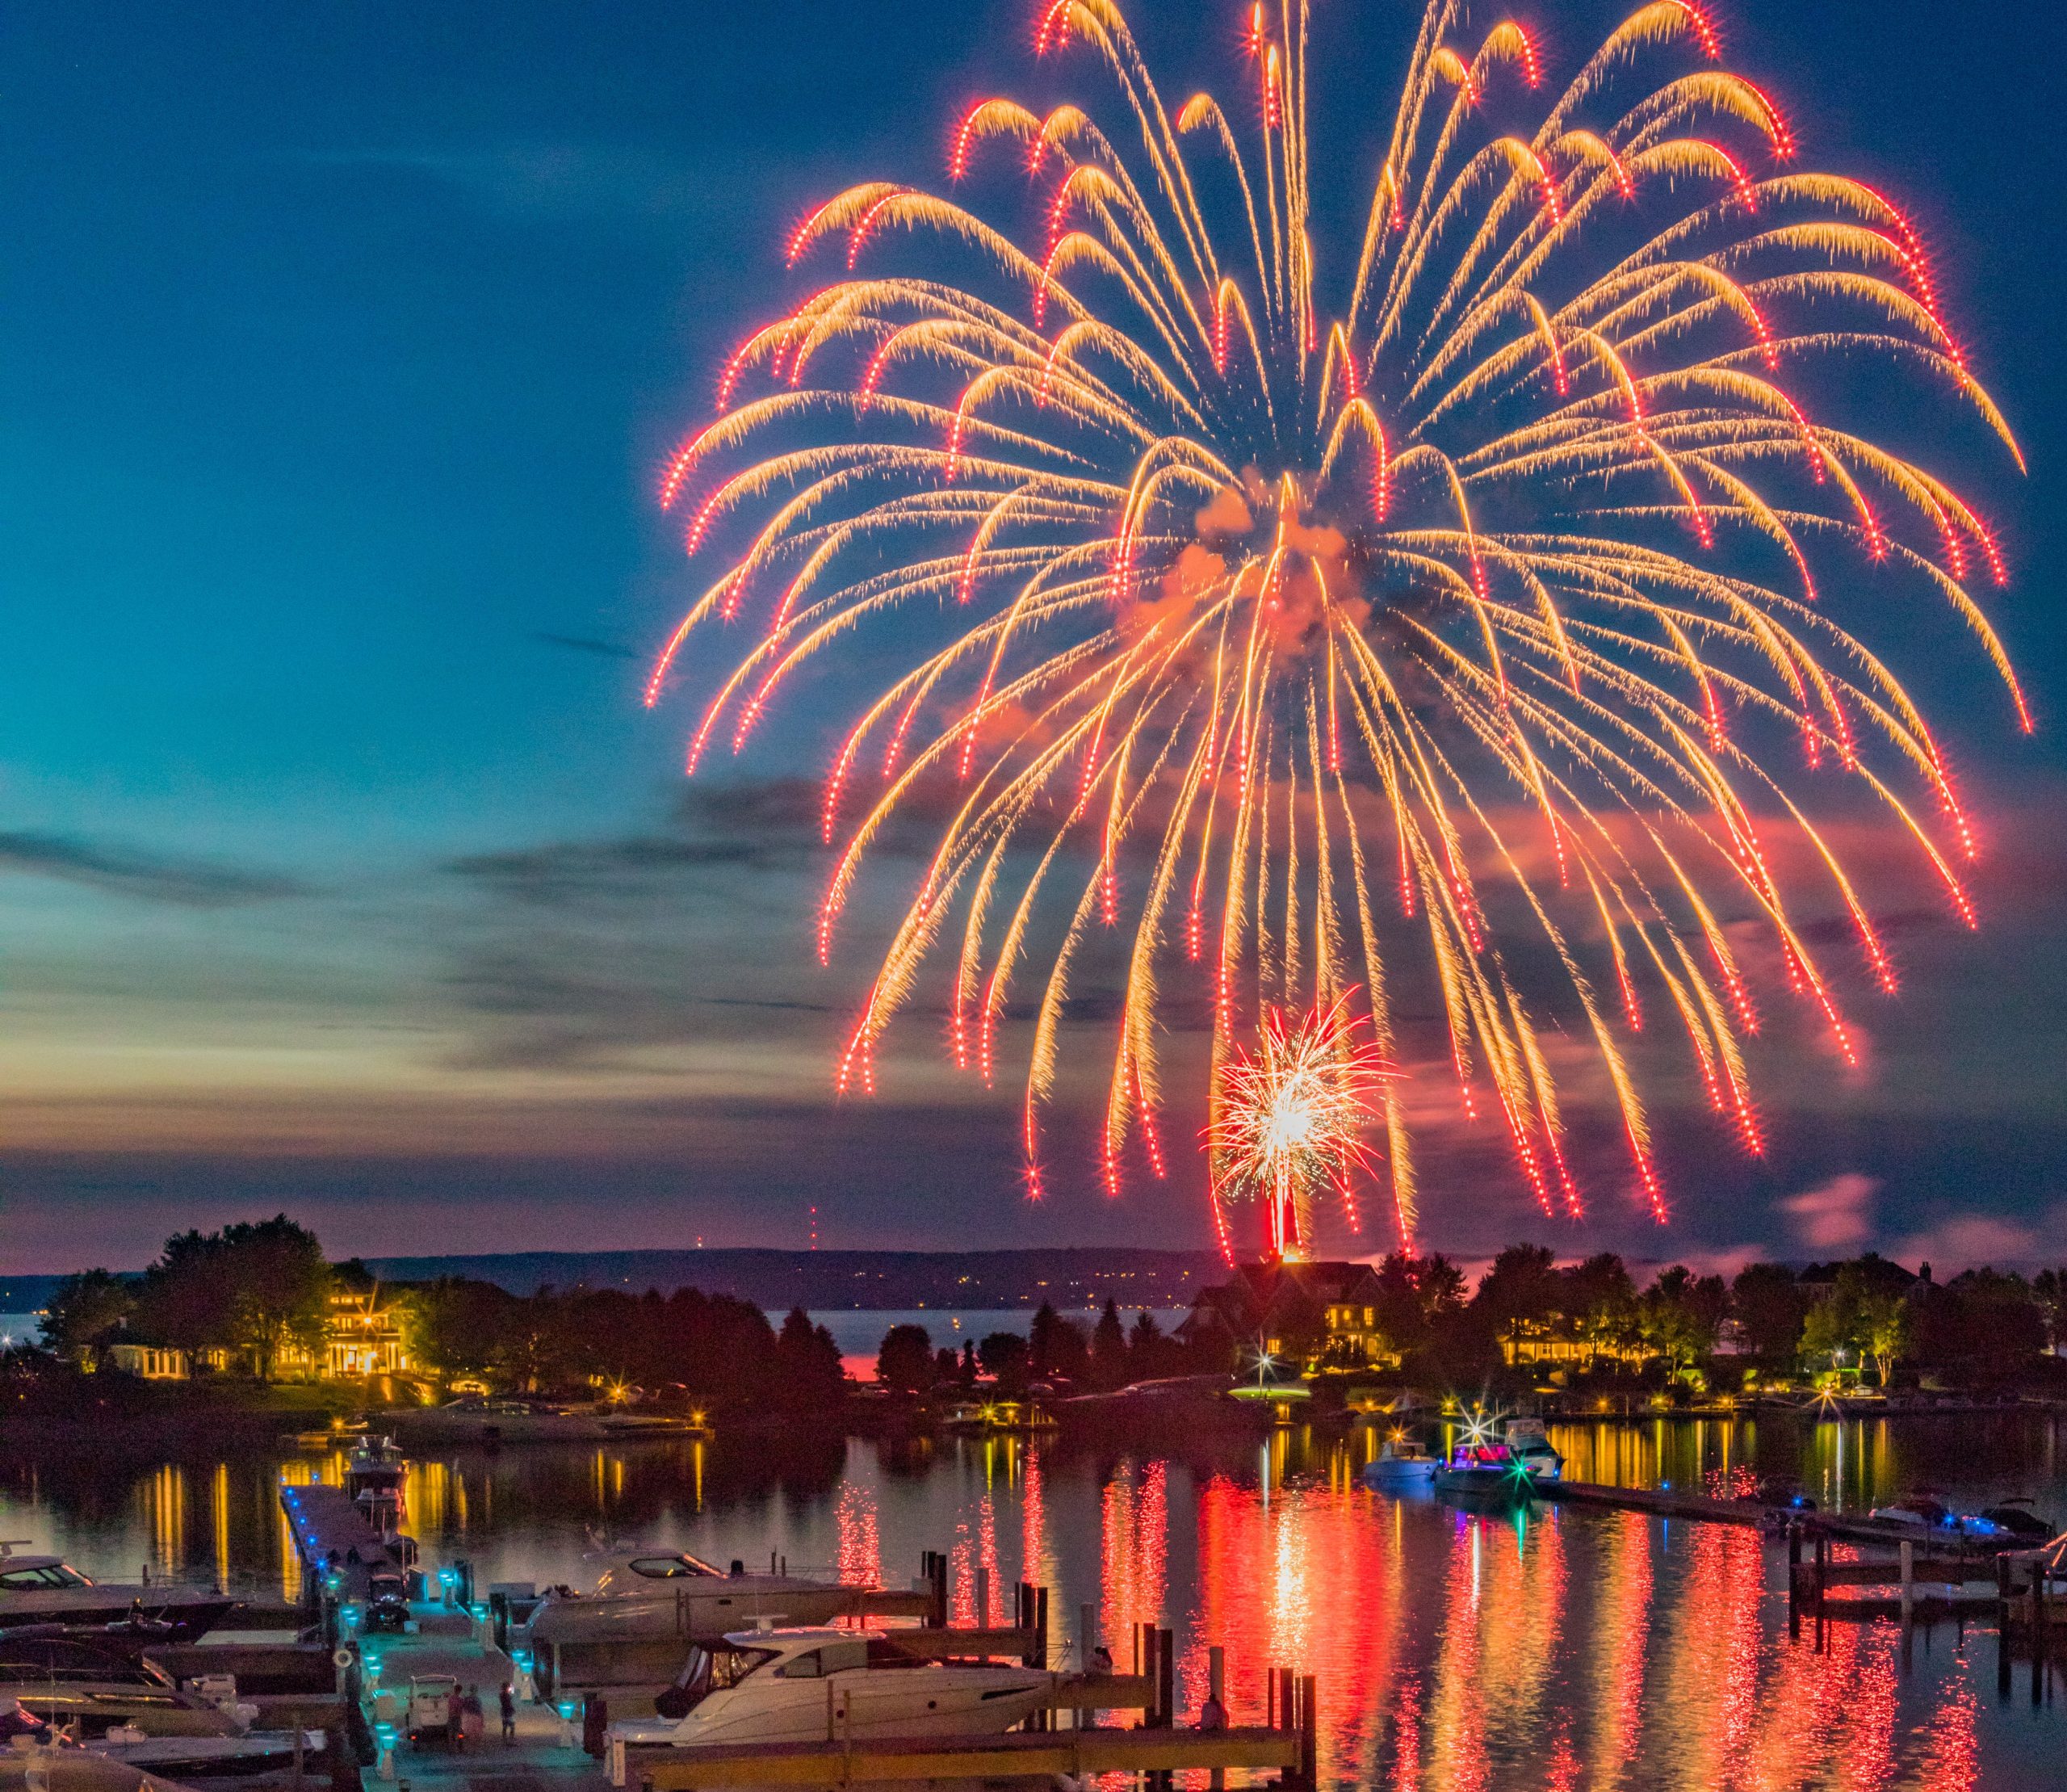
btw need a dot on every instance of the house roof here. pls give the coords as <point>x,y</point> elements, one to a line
<point>1262,1295</point>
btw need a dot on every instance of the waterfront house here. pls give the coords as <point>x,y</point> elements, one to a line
<point>1312,1315</point>
<point>148,1362</point>
<point>361,1337</point>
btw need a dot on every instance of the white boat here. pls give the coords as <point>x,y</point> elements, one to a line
<point>654,1595</point>
<point>1531,1447</point>
<point>46,1590</point>
<point>1403,1462</point>
<point>814,1685</point>
<point>1918,1512</point>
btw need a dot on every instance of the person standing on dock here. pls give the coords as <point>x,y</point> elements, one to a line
<point>509,1701</point>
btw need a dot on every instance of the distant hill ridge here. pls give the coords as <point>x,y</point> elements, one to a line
<point>870,1280</point>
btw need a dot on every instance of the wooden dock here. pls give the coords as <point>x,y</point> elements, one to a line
<point>327,1526</point>
<point>1075,1752</point>
<point>1671,1503</point>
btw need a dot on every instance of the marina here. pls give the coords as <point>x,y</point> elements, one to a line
<point>1426,1625</point>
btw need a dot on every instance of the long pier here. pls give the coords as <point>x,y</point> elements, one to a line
<point>1075,1752</point>
<point>1671,1503</point>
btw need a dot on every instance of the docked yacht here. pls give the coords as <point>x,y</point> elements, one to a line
<point>1531,1447</point>
<point>46,1590</point>
<point>375,1466</point>
<point>74,1682</point>
<point>1403,1463</point>
<point>652,1595</point>
<point>815,1685</point>
<point>1483,1471</point>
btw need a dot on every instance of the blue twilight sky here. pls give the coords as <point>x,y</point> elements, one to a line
<point>339,345</point>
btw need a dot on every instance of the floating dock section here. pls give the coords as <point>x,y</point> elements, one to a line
<point>332,1536</point>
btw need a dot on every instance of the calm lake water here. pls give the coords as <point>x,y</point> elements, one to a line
<point>1563,1647</point>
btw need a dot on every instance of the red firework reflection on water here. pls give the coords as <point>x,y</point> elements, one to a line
<point>1455,1652</point>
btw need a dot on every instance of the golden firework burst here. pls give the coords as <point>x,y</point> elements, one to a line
<point>1237,576</point>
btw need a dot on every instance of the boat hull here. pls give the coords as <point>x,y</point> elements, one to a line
<point>1399,1476</point>
<point>1487,1484</point>
<point>920,1704</point>
<point>704,1615</point>
<point>189,1616</point>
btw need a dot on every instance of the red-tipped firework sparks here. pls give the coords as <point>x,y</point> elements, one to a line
<point>1231,570</point>
<point>1289,1121</point>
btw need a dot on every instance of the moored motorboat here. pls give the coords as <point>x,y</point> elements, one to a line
<point>2012,1521</point>
<point>661,1595</point>
<point>1530,1445</point>
<point>809,1685</point>
<point>375,1465</point>
<point>46,1590</point>
<point>1403,1462</point>
<point>1917,1512</point>
<point>76,1681</point>
<point>1483,1471</point>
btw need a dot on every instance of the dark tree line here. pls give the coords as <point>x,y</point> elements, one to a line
<point>1056,1352</point>
<point>709,1351</point>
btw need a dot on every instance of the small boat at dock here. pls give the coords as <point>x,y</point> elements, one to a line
<point>46,1590</point>
<point>818,1686</point>
<point>1530,1445</point>
<point>655,1595</point>
<point>1403,1463</point>
<point>1483,1471</point>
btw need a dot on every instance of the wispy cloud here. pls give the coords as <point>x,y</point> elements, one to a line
<point>1836,1215</point>
<point>149,877</point>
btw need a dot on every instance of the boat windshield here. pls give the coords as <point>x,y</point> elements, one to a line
<point>41,1577</point>
<point>672,1568</point>
<point>709,1670</point>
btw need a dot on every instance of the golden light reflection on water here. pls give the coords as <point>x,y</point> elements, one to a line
<point>219,1521</point>
<point>1568,1647</point>
<point>163,1497</point>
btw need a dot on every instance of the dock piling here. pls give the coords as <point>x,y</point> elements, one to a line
<point>2003,1628</point>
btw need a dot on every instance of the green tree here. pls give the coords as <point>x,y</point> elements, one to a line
<point>1770,1305</point>
<point>1003,1356</point>
<point>1109,1347</point>
<point>905,1362</point>
<point>2050,1288</point>
<point>1883,1329</point>
<point>259,1287</point>
<point>1679,1316</point>
<point>809,1374</point>
<point>1522,1289</point>
<point>1146,1348</point>
<point>462,1326</point>
<point>88,1310</point>
<point>1833,1325</point>
<point>1415,1295</point>
<point>1057,1346</point>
